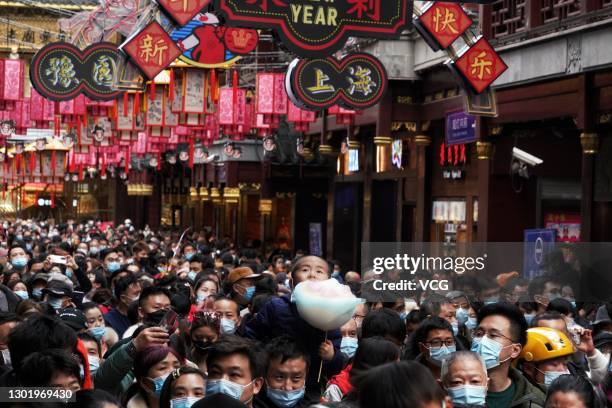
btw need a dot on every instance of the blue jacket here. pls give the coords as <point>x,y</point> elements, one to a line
<point>280,317</point>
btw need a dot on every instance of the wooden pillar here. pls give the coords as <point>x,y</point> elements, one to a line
<point>485,151</point>
<point>421,219</point>
<point>399,207</point>
<point>590,147</point>
<point>368,151</point>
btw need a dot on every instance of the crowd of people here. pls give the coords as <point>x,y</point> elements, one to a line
<point>136,318</point>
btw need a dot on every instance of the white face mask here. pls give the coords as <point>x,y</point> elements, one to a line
<point>6,356</point>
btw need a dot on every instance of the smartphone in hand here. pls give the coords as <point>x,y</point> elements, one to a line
<point>169,322</point>
<point>57,259</point>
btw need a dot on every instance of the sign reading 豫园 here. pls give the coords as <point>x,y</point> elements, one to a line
<point>319,28</point>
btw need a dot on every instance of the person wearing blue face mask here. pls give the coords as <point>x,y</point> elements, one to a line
<point>185,387</point>
<point>57,294</point>
<point>235,369</point>
<point>464,376</point>
<point>285,376</point>
<point>435,342</point>
<point>152,366</point>
<point>348,345</point>
<point>241,285</point>
<point>499,339</point>
<point>228,311</point>
<point>546,356</point>
<point>542,290</point>
<point>18,258</point>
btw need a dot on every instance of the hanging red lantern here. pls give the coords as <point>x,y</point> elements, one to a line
<point>299,117</point>
<point>271,97</point>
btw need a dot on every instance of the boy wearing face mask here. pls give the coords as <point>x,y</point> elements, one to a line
<point>285,377</point>
<point>499,339</point>
<point>546,356</point>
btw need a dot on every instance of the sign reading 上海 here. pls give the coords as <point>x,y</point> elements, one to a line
<point>358,81</point>
<point>60,71</point>
<point>460,128</point>
<point>319,28</point>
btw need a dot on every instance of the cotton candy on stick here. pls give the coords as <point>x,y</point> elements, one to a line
<point>325,305</point>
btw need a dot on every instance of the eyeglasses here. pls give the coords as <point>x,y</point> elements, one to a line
<point>493,335</point>
<point>435,343</point>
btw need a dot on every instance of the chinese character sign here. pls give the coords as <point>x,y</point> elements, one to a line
<point>315,28</point>
<point>442,23</point>
<point>152,50</point>
<point>60,71</point>
<point>480,65</point>
<point>356,82</point>
<point>182,11</point>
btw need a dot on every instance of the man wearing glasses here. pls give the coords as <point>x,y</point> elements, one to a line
<point>499,339</point>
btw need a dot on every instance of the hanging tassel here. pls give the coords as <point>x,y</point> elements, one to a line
<point>53,200</point>
<point>137,103</point>
<point>53,162</point>
<point>213,85</point>
<point>442,156</point>
<point>32,162</point>
<point>462,154</point>
<point>103,165</point>
<point>125,103</point>
<point>449,155</point>
<point>171,86</point>
<point>80,171</point>
<point>79,129</point>
<point>36,194</point>
<point>159,161</point>
<point>152,90</point>
<point>191,153</point>
<point>127,161</point>
<point>456,154</point>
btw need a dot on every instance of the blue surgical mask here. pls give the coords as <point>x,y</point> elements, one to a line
<point>550,376</point>
<point>468,395</point>
<point>94,250</point>
<point>56,303</point>
<point>285,399</point>
<point>29,247</point>
<point>19,262</point>
<point>455,327</point>
<point>489,350</point>
<point>189,256</point>
<point>184,402</point>
<point>529,318</point>
<point>94,364</point>
<point>113,266</point>
<point>348,346</point>
<point>573,302</point>
<point>37,293</point>
<point>471,323</point>
<point>158,383</point>
<point>462,315</point>
<point>192,275</point>
<point>248,295</point>
<point>438,354</point>
<point>69,273</point>
<point>201,297</point>
<point>98,332</point>
<point>23,294</point>
<point>226,387</point>
<point>403,316</point>
<point>490,300</point>
<point>228,326</point>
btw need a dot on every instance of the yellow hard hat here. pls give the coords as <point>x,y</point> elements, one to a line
<point>544,343</point>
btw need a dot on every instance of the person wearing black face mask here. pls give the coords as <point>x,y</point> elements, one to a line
<point>205,331</point>
<point>153,304</point>
<point>140,251</point>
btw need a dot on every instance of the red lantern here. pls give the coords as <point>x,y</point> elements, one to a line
<point>299,117</point>
<point>271,97</point>
<point>343,116</point>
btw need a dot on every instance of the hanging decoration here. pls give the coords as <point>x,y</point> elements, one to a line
<point>358,81</point>
<point>60,71</point>
<point>271,97</point>
<point>182,11</point>
<point>314,29</point>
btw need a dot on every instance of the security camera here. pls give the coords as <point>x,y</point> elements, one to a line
<point>525,157</point>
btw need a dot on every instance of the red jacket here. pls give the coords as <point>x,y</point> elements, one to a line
<point>342,380</point>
